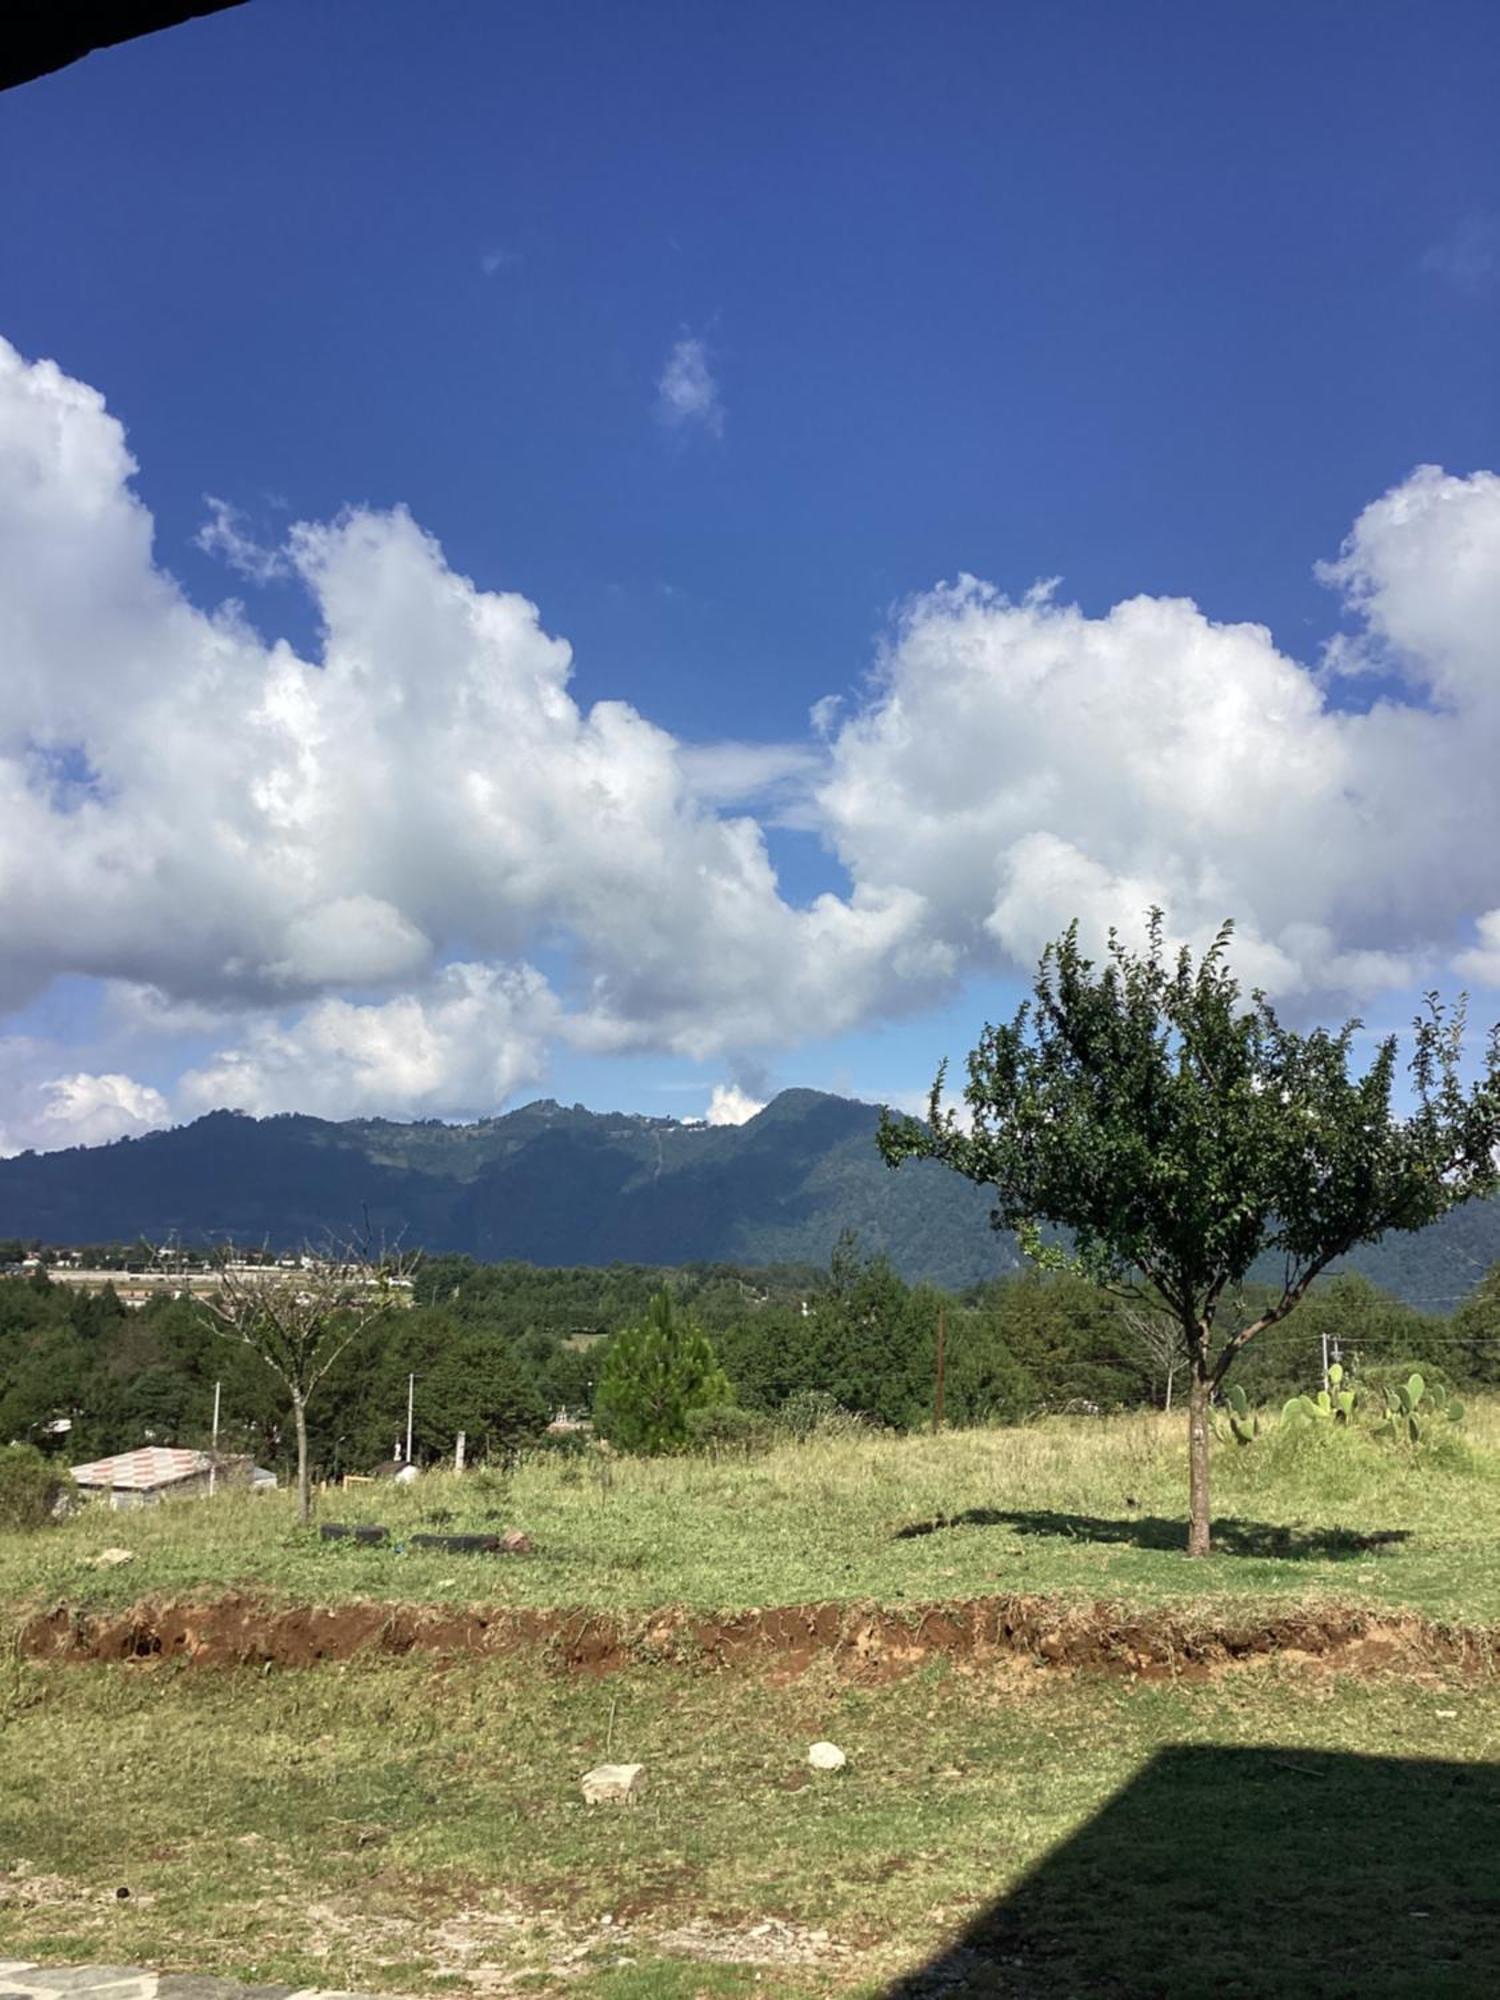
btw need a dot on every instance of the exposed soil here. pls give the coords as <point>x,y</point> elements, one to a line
<point>866,1640</point>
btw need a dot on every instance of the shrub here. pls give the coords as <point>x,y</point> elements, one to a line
<point>814,1413</point>
<point>722,1428</point>
<point>562,1444</point>
<point>30,1487</point>
<point>1380,1380</point>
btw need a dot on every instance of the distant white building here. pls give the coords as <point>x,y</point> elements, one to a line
<point>161,1472</point>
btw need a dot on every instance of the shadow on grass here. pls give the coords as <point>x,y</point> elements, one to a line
<point>1253,1872</point>
<point>1150,1531</point>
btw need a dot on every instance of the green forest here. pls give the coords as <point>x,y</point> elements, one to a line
<point>498,1350</point>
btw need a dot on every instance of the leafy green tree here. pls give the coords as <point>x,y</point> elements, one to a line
<point>987,1383</point>
<point>465,1381</point>
<point>565,1376</point>
<point>47,1375</point>
<point>1176,1134</point>
<point>768,1357</point>
<point>871,1339</point>
<point>29,1487</point>
<point>1476,1327</point>
<point>1070,1337</point>
<point>657,1372</point>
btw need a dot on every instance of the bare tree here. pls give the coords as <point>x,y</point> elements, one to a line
<point>1159,1339</point>
<point>300,1317</point>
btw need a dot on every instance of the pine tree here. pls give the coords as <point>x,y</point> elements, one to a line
<point>655,1373</point>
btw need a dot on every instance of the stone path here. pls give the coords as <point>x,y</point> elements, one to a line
<point>20,1980</point>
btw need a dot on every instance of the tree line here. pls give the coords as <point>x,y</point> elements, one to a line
<point>496,1351</point>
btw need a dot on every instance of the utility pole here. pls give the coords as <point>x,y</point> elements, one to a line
<point>1325,1359</point>
<point>411,1387</point>
<point>942,1348</point>
<point>213,1449</point>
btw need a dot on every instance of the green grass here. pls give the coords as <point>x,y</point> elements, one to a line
<point>415,1825</point>
<point>1094,1508</point>
<point>402,1826</point>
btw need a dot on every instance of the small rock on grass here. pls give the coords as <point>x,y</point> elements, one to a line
<point>110,1558</point>
<point>826,1757</point>
<point>613,1784</point>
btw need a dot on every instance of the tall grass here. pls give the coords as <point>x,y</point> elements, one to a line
<point>1083,1506</point>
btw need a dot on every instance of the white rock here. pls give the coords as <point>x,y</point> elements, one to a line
<point>111,1558</point>
<point>826,1757</point>
<point>614,1784</point>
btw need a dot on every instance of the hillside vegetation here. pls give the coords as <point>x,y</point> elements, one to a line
<point>1083,1509</point>
<point>558,1186</point>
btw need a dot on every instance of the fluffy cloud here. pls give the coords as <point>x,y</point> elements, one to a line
<point>84,1110</point>
<point>729,1105</point>
<point>229,832</point>
<point>46,1111</point>
<point>686,390</point>
<point>1018,763</point>
<point>472,1038</point>
<point>336,874</point>
<point>1482,964</point>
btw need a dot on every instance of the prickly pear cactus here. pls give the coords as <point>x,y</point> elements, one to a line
<point>1235,1419</point>
<point>1334,1405</point>
<point>1411,1411</point>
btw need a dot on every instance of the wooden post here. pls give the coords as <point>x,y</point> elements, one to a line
<point>942,1344</point>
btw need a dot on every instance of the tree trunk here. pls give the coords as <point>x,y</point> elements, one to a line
<point>1198,1389</point>
<point>304,1483</point>
<point>1171,1371</point>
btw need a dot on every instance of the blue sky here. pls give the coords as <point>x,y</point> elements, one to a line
<point>1160,301</point>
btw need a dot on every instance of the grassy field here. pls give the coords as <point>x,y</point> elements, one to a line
<point>1082,1508</point>
<point>415,1824</point>
<point>402,1826</point>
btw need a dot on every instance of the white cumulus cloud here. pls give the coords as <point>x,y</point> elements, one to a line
<point>473,1036</point>
<point>91,1109</point>
<point>729,1105</point>
<point>1018,763</point>
<point>229,833</point>
<point>45,1111</point>
<point>336,875</point>
<point>1482,963</point>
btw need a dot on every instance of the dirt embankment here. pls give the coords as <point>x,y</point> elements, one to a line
<point>240,1629</point>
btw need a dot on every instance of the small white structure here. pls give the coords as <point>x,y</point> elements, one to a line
<point>161,1472</point>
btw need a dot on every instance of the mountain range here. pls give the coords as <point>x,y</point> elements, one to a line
<point>549,1184</point>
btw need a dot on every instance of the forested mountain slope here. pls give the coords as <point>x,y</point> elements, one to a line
<point>553,1185</point>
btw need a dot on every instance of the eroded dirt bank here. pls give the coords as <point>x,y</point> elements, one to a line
<point>238,1629</point>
